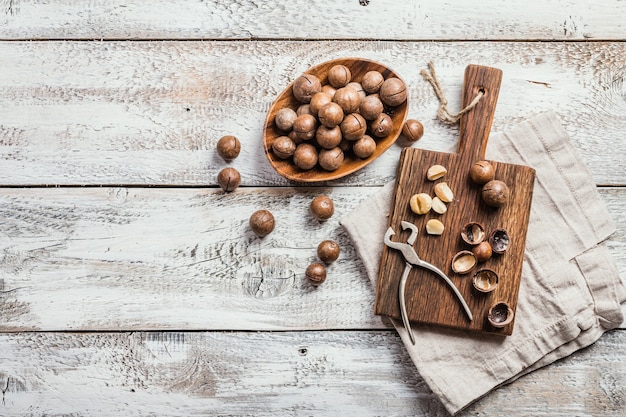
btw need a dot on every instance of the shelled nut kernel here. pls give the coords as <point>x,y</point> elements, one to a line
<point>439,206</point>
<point>420,203</point>
<point>443,191</point>
<point>434,227</point>
<point>435,172</point>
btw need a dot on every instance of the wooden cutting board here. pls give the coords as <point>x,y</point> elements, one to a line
<point>428,298</point>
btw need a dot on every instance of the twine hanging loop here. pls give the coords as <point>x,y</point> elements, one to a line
<point>443,113</point>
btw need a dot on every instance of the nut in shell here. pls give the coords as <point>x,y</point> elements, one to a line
<point>328,251</point>
<point>485,280</point>
<point>482,251</point>
<point>316,273</point>
<point>322,207</point>
<point>435,172</point>
<point>305,86</point>
<point>500,314</point>
<point>262,222</point>
<point>495,193</point>
<point>420,203</point>
<point>434,227</point>
<point>499,241</point>
<point>443,191</point>
<point>463,262</point>
<point>473,233</point>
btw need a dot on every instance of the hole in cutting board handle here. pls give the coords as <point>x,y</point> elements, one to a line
<point>475,125</point>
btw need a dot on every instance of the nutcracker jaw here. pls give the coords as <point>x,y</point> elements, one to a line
<point>411,259</point>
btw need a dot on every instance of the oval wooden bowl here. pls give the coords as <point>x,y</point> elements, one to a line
<point>358,67</point>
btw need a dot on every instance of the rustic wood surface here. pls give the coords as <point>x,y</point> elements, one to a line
<point>131,285</point>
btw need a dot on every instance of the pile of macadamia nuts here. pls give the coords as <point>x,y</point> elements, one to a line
<point>339,117</point>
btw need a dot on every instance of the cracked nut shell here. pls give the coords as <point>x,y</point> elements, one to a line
<point>485,280</point>
<point>499,241</point>
<point>473,233</point>
<point>463,262</point>
<point>500,314</point>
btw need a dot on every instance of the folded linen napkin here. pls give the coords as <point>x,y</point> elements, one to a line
<point>570,290</point>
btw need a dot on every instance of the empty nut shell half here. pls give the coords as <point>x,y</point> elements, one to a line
<point>499,241</point>
<point>485,280</point>
<point>500,314</point>
<point>463,262</point>
<point>473,233</point>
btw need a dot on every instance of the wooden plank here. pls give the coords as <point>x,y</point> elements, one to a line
<point>269,374</point>
<point>300,19</point>
<point>151,113</point>
<point>158,259</point>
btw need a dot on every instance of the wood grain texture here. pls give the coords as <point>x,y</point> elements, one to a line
<point>150,113</point>
<point>428,298</point>
<point>300,19</point>
<point>154,259</point>
<point>275,374</point>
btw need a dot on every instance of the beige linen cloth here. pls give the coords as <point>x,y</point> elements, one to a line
<point>570,290</point>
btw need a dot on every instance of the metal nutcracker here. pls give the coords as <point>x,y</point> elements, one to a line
<point>411,259</point>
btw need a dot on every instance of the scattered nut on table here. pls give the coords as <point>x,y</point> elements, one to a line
<point>316,273</point>
<point>262,222</point>
<point>228,147</point>
<point>228,179</point>
<point>412,130</point>
<point>328,251</point>
<point>322,207</point>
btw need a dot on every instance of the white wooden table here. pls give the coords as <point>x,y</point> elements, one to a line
<point>129,282</point>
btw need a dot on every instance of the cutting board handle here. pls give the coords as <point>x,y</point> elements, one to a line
<point>476,123</point>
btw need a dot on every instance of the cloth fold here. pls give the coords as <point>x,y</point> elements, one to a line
<point>570,291</point>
